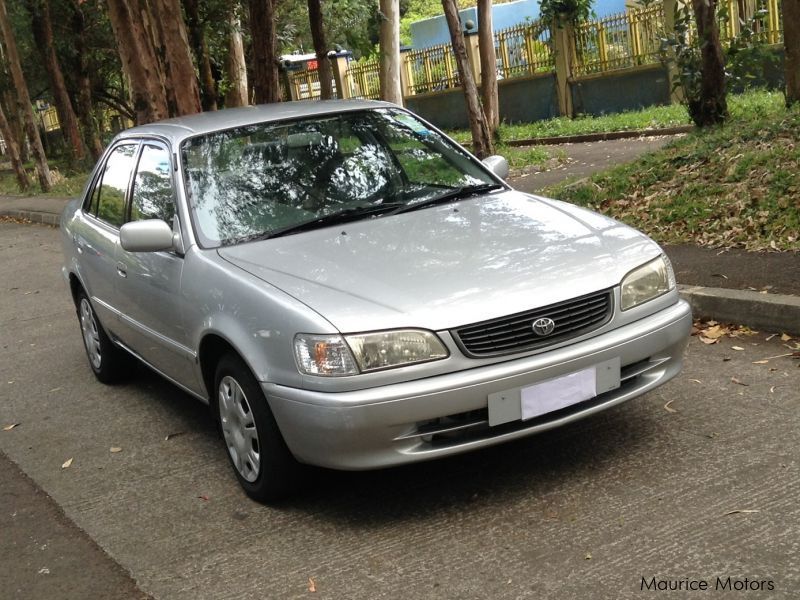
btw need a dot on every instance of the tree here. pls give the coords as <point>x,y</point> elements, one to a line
<point>13,152</point>
<point>83,83</point>
<point>24,100</point>
<point>791,42</point>
<point>180,80</point>
<point>43,35</point>
<point>139,60</point>
<point>197,35</point>
<point>711,107</point>
<point>488,65</point>
<point>389,74</point>
<point>235,65</point>
<point>481,135</point>
<point>266,86</point>
<point>320,49</point>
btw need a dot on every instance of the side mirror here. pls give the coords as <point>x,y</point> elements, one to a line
<point>497,164</point>
<point>151,235</point>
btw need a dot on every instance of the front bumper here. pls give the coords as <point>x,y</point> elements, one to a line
<point>447,414</point>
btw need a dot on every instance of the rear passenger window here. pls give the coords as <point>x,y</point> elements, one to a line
<point>114,184</point>
<point>152,188</point>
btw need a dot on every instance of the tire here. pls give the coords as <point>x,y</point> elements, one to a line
<point>260,458</point>
<point>109,363</point>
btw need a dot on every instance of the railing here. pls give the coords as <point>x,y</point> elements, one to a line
<point>524,50</point>
<point>619,41</point>
<point>432,69</point>
<point>764,17</point>
<point>364,80</point>
<point>305,84</point>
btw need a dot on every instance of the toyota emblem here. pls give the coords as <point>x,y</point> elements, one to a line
<point>543,326</point>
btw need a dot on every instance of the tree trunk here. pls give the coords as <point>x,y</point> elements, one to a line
<point>83,105</point>
<point>481,135</point>
<point>139,60</point>
<point>24,100</point>
<point>711,108</point>
<point>42,28</point>
<point>197,35</point>
<point>13,152</point>
<point>488,65</point>
<point>320,49</point>
<point>266,86</point>
<point>183,91</point>
<point>791,42</point>
<point>9,101</point>
<point>389,74</point>
<point>235,65</point>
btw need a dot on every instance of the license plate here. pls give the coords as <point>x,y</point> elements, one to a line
<point>553,394</point>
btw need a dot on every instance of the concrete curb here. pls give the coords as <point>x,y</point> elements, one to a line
<point>601,137</point>
<point>769,312</point>
<point>33,216</point>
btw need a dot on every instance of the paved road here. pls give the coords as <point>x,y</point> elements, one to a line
<point>583,512</point>
<point>581,160</point>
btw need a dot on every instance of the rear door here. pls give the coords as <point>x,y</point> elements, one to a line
<point>96,232</point>
<point>151,306</point>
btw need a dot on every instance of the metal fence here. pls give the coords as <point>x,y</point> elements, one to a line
<point>619,41</point>
<point>432,69</point>
<point>524,50</point>
<point>762,17</point>
<point>364,80</point>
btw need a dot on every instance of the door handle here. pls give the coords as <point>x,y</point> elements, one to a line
<point>122,270</point>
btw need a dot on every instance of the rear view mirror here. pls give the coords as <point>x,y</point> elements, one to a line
<point>497,164</point>
<point>151,235</point>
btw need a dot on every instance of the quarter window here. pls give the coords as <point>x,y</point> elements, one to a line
<point>152,188</point>
<point>116,175</point>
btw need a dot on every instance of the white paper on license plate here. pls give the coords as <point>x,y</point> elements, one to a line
<point>553,394</point>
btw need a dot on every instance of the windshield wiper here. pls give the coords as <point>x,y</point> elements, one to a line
<point>348,214</point>
<point>453,194</point>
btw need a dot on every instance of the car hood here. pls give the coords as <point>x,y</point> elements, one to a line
<point>448,265</point>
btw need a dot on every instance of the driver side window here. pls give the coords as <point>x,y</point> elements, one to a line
<point>153,196</point>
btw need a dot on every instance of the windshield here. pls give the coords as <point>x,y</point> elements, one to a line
<point>260,180</point>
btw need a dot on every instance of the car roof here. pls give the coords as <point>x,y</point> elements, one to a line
<point>180,128</point>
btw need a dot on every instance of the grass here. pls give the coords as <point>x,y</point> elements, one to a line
<point>754,102</point>
<point>68,181</point>
<point>732,186</point>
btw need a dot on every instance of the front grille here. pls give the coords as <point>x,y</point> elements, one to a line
<point>514,333</point>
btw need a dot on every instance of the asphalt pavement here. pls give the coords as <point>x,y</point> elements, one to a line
<point>695,481</point>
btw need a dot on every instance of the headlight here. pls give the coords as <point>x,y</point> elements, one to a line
<point>384,349</point>
<point>647,282</point>
<point>332,356</point>
<point>325,355</point>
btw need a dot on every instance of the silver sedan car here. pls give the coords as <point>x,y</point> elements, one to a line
<point>347,287</point>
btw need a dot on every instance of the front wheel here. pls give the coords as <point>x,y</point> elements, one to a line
<point>260,458</point>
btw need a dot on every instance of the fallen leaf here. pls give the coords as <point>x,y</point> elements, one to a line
<point>696,381</point>
<point>772,390</point>
<point>771,336</point>
<point>53,390</point>
<point>10,427</point>
<point>67,464</point>
<point>115,449</point>
<point>588,556</point>
<point>169,436</point>
<point>706,340</point>
<point>760,362</point>
<point>203,497</point>
<point>786,338</point>
<point>737,348</point>
<point>312,587</point>
<point>711,323</point>
<point>719,275</point>
<point>736,381</point>
<point>668,408</point>
<point>726,358</point>
<point>743,511</point>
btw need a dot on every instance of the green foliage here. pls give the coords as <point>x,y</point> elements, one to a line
<point>565,11</point>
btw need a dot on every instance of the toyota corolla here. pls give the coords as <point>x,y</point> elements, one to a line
<point>347,287</point>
